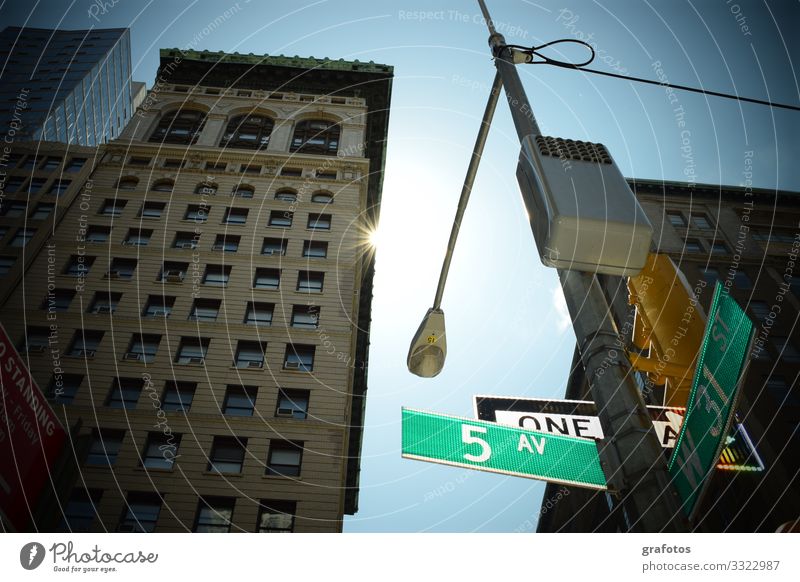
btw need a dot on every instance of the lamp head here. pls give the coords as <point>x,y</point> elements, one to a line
<point>429,346</point>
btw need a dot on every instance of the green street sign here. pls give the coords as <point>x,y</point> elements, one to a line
<point>486,446</point>
<point>720,367</point>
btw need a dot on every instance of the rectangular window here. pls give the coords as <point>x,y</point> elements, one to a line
<point>105,302</point>
<point>14,209</point>
<point>197,212</point>
<point>315,249</point>
<point>160,450</point>
<point>742,281</point>
<point>276,516</point>
<point>135,161</point>
<point>227,454</point>
<point>141,513</point>
<point>710,275</point>
<point>692,246</point>
<point>36,185</point>
<point>205,310</point>
<point>59,187</point>
<point>35,339</point>
<point>319,221</point>
<point>292,403</point>
<point>173,272</point>
<point>280,218</point>
<point>124,393</point>
<point>700,220</point>
<point>250,354</point>
<point>235,216</point>
<point>152,210</point>
<point>240,400</point>
<point>138,237</point>
<point>214,515</point>
<point>719,248</point>
<point>173,163</point>
<point>259,314</point>
<point>305,316</point>
<point>22,237</point>
<point>158,306</point>
<point>143,348</point>
<point>75,165</point>
<point>178,396</point>
<point>310,281</point>
<point>62,389</point>
<point>113,207</point>
<point>217,275</point>
<point>192,350</point>
<point>267,279</point>
<point>274,247</point>
<point>292,172</point>
<point>58,300</point>
<point>80,510</point>
<point>14,184</point>
<point>85,343</point>
<point>5,265</point>
<point>299,357</point>
<point>105,447</point>
<point>759,309</point>
<point>51,163</point>
<point>285,458</point>
<point>42,211</point>
<point>185,240</point>
<point>122,269</point>
<point>226,243</point>
<point>98,234</point>
<point>250,169</point>
<point>785,349</point>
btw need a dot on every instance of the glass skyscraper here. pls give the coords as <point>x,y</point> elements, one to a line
<point>70,86</point>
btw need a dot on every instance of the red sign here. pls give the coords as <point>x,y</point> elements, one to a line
<point>31,437</point>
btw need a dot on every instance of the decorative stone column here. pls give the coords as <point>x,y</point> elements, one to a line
<point>212,130</point>
<point>281,136</point>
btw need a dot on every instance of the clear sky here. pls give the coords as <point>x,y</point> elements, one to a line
<point>507,329</point>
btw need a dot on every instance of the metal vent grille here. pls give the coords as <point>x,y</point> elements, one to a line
<point>568,149</point>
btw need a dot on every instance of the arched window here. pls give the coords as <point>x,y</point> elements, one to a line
<point>247,131</point>
<point>128,183</point>
<point>182,126</point>
<point>322,197</point>
<point>206,188</point>
<point>316,136</point>
<point>243,191</point>
<point>286,195</point>
<point>162,186</point>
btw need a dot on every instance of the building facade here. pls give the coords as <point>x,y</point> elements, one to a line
<point>213,286</point>
<point>749,241</point>
<point>69,86</point>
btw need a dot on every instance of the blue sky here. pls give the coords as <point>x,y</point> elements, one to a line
<point>507,333</point>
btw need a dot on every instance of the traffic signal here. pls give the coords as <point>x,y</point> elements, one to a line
<point>668,327</point>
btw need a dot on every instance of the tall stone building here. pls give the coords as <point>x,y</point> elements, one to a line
<point>749,240</point>
<point>211,295</point>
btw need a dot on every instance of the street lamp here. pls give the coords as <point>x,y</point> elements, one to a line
<point>429,346</point>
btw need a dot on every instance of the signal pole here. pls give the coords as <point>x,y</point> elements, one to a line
<point>631,455</point>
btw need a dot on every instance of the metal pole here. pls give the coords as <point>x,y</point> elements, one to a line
<point>466,190</point>
<point>631,455</point>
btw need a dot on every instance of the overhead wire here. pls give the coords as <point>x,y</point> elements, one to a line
<point>533,52</point>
